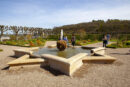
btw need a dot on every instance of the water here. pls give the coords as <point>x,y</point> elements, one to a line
<point>67,53</point>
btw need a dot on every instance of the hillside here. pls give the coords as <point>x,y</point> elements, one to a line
<point>99,26</point>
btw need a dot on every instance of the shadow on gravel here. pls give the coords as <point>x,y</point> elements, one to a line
<point>5,68</point>
<point>12,56</point>
<point>51,70</point>
<point>121,53</point>
<point>118,63</point>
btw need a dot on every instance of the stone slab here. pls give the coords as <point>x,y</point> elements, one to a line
<point>23,51</point>
<point>98,51</point>
<point>25,60</point>
<point>52,46</point>
<point>104,58</point>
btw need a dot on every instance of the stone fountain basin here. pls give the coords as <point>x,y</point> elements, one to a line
<point>67,53</point>
<point>67,64</point>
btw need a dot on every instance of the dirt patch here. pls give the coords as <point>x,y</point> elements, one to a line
<point>118,63</point>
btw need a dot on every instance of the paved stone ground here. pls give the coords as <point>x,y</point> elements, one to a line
<point>89,75</point>
<point>48,43</point>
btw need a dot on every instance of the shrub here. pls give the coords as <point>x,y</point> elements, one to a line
<point>39,43</point>
<point>21,37</point>
<point>119,44</point>
<point>10,43</point>
<point>77,37</point>
<point>12,37</point>
<point>29,36</point>
<point>69,41</point>
<point>78,43</point>
<point>21,42</point>
<point>127,42</point>
<point>89,40</point>
<point>31,44</point>
<point>61,45</point>
<point>84,41</point>
<point>112,45</point>
<point>53,37</point>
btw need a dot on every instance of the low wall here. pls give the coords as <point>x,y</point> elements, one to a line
<point>98,51</point>
<point>26,60</point>
<point>21,52</point>
<point>66,66</point>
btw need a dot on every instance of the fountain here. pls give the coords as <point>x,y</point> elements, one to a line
<point>61,44</point>
<point>61,35</point>
<point>66,60</point>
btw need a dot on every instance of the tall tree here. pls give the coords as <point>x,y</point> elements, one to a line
<point>2,30</point>
<point>25,31</point>
<point>15,30</point>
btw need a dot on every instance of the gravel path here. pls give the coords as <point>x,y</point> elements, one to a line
<point>90,75</point>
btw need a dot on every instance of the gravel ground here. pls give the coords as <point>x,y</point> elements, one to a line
<point>89,75</point>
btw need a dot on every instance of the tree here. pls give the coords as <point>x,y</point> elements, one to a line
<point>82,33</point>
<point>40,32</point>
<point>2,30</point>
<point>15,30</point>
<point>25,31</point>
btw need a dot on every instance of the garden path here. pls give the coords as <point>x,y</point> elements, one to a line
<point>48,43</point>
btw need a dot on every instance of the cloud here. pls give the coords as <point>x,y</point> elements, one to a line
<point>71,16</point>
<point>35,15</point>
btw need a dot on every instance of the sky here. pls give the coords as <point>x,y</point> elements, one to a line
<point>53,13</point>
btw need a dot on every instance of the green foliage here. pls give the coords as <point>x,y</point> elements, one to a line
<point>112,45</point>
<point>99,26</point>
<point>127,42</point>
<point>21,37</point>
<point>12,37</point>
<point>78,43</point>
<point>31,44</point>
<point>29,37</point>
<point>25,43</point>
<point>11,43</point>
<point>120,44</point>
<point>85,42</point>
<point>53,37</point>
<point>78,37</point>
<point>39,43</point>
<point>94,37</point>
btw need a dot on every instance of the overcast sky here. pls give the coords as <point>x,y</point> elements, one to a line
<point>50,13</point>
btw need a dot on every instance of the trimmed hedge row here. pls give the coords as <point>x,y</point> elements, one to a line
<point>92,37</point>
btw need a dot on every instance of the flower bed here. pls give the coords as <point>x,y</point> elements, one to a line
<point>120,44</point>
<point>25,43</point>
